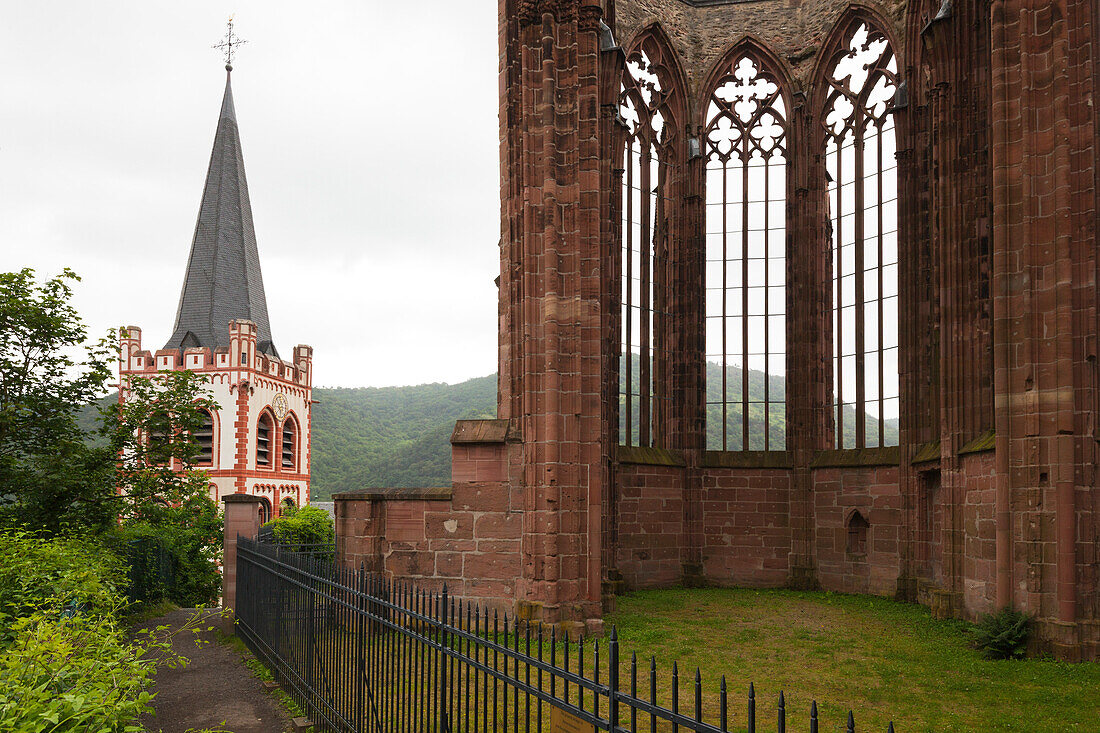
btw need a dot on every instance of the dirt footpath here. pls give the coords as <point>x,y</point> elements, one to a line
<point>216,690</point>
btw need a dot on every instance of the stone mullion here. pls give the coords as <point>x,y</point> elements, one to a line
<point>690,354</point>
<point>610,146</point>
<point>809,327</point>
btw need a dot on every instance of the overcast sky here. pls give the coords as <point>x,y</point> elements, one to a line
<point>369,131</point>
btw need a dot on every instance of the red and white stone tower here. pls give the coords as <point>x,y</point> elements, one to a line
<point>258,442</point>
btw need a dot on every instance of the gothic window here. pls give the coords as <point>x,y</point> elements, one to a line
<point>647,111</point>
<point>858,529</point>
<point>290,444</point>
<point>286,506</point>
<point>863,200</point>
<point>204,438</point>
<point>746,191</point>
<point>265,434</point>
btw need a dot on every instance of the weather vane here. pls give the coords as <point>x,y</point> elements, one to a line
<point>229,44</point>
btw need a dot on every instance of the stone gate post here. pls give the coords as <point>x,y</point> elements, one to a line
<point>242,517</point>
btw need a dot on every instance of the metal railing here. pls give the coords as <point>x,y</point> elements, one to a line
<point>359,652</point>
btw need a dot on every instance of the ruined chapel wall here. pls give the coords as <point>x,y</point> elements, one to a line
<point>466,537</point>
<point>875,493</point>
<point>650,525</point>
<point>979,567</point>
<point>794,30</point>
<point>746,526</point>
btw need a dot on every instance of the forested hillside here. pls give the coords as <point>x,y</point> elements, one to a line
<point>392,436</point>
<point>400,436</point>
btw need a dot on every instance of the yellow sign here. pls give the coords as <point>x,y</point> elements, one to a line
<point>563,722</point>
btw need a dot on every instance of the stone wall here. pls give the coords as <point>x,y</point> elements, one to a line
<point>466,536</point>
<point>650,525</point>
<point>873,491</point>
<point>746,526</point>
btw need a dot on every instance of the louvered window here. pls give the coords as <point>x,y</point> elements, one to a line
<point>264,430</point>
<point>204,437</point>
<point>290,442</point>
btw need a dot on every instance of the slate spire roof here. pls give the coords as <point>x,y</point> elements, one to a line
<point>223,280</point>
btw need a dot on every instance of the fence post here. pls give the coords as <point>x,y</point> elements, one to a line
<point>444,724</point>
<point>242,517</point>
<point>613,681</point>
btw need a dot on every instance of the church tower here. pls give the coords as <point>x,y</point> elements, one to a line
<point>258,442</point>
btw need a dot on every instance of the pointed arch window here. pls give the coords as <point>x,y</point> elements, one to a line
<point>745,278</point>
<point>860,160</point>
<point>290,445</point>
<point>265,435</point>
<point>648,96</point>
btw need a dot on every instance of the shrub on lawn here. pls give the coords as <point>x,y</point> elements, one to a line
<point>306,526</point>
<point>1003,635</point>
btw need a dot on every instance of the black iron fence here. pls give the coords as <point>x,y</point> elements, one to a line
<point>359,652</point>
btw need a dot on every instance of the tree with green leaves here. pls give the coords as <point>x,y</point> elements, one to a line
<point>151,433</point>
<point>162,496</point>
<point>49,479</point>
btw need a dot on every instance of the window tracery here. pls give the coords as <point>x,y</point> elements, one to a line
<point>647,102</point>
<point>860,159</point>
<point>746,191</point>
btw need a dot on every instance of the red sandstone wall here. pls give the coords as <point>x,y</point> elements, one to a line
<point>979,568</point>
<point>650,517</point>
<point>746,526</point>
<point>467,537</point>
<point>874,491</point>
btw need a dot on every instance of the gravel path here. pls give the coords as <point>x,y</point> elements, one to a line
<point>216,690</point>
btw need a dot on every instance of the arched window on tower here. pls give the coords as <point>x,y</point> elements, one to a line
<point>265,434</point>
<point>863,199</point>
<point>204,438</point>
<point>290,445</point>
<point>647,105</point>
<point>746,267</point>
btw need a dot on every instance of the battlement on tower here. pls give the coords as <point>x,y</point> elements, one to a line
<point>241,354</point>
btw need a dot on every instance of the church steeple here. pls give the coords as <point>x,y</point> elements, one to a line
<point>223,280</point>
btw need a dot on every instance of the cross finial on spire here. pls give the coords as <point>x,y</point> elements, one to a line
<point>229,44</point>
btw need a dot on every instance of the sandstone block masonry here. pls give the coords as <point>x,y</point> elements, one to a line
<point>989,497</point>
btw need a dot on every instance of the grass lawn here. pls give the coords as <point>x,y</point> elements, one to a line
<point>882,659</point>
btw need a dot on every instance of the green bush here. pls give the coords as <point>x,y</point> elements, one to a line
<point>60,575</point>
<point>76,673</point>
<point>306,526</point>
<point>178,564</point>
<point>1003,635</point>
